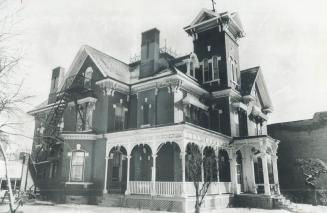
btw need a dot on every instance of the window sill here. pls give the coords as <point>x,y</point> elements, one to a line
<point>212,81</point>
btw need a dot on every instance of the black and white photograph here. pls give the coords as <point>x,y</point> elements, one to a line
<point>156,106</point>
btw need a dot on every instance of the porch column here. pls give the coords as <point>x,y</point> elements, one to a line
<point>153,176</point>
<point>183,174</point>
<point>127,192</point>
<point>248,171</point>
<point>275,170</point>
<point>105,190</point>
<point>265,174</point>
<point>233,174</point>
<point>217,162</point>
<point>202,167</point>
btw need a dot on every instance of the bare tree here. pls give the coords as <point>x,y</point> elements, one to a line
<point>12,101</point>
<point>196,165</point>
<point>312,170</point>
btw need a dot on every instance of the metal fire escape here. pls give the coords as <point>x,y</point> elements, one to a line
<point>74,88</point>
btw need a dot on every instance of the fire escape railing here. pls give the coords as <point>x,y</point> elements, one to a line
<point>72,89</point>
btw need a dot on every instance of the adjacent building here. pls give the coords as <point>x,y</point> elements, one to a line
<point>127,128</point>
<point>303,139</point>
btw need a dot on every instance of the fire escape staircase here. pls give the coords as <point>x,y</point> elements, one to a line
<point>73,88</point>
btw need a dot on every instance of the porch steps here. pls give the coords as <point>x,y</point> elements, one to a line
<point>284,203</point>
<point>112,200</point>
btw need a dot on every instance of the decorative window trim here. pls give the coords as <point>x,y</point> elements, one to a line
<point>83,100</point>
<point>210,63</point>
<point>70,154</point>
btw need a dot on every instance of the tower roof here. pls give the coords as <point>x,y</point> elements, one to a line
<point>207,19</point>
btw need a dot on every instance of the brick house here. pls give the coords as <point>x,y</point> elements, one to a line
<point>127,128</point>
<point>300,139</point>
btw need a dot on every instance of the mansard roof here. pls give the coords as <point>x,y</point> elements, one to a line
<point>251,77</point>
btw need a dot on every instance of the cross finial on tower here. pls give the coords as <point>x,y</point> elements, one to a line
<point>213,5</point>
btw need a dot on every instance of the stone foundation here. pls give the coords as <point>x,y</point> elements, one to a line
<point>174,204</point>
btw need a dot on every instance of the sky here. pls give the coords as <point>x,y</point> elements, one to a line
<point>287,38</point>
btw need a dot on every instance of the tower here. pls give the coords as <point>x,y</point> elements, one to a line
<point>215,42</point>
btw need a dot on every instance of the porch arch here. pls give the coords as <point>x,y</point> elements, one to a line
<point>117,170</point>
<point>168,163</point>
<point>224,166</point>
<point>210,164</point>
<point>192,167</point>
<point>141,163</point>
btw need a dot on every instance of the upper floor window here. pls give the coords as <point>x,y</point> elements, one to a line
<point>88,78</point>
<point>206,73</point>
<point>77,166</point>
<point>146,112</point>
<point>84,117</point>
<point>234,70</point>
<point>211,69</point>
<point>215,67</point>
<point>120,112</point>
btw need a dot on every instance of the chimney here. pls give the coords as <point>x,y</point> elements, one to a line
<point>56,78</point>
<point>149,53</point>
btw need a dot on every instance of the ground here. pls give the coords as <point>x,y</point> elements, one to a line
<point>71,208</point>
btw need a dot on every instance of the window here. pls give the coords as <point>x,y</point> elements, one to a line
<point>215,67</point>
<point>120,111</point>
<point>258,170</point>
<point>146,112</point>
<point>77,166</point>
<point>192,69</point>
<point>206,73</point>
<point>88,78</point>
<point>84,117</point>
<point>211,69</point>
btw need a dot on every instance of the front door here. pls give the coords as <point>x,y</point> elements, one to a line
<point>117,172</point>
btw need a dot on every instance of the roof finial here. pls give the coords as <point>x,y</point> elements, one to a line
<point>213,5</point>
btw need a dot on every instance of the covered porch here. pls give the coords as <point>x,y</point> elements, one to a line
<point>154,161</point>
<point>260,164</point>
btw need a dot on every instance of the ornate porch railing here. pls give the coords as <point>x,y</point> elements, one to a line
<point>140,187</point>
<point>176,188</point>
<point>169,188</point>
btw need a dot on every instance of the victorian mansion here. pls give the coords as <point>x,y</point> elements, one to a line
<point>125,133</point>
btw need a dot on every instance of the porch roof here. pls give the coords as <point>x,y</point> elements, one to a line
<point>181,133</point>
<point>263,143</point>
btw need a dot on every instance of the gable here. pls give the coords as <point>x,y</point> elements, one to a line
<point>107,65</point>
<point>204,15</point>
<point>252,80</point>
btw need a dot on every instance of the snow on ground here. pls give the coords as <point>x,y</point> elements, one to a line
<point>71,208</point>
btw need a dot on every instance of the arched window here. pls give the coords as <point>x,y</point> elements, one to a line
<point>88,78</point>
<point>207,76</point>
<point>77,166</point>
<point>258,170</point>
<point>215,67</point>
